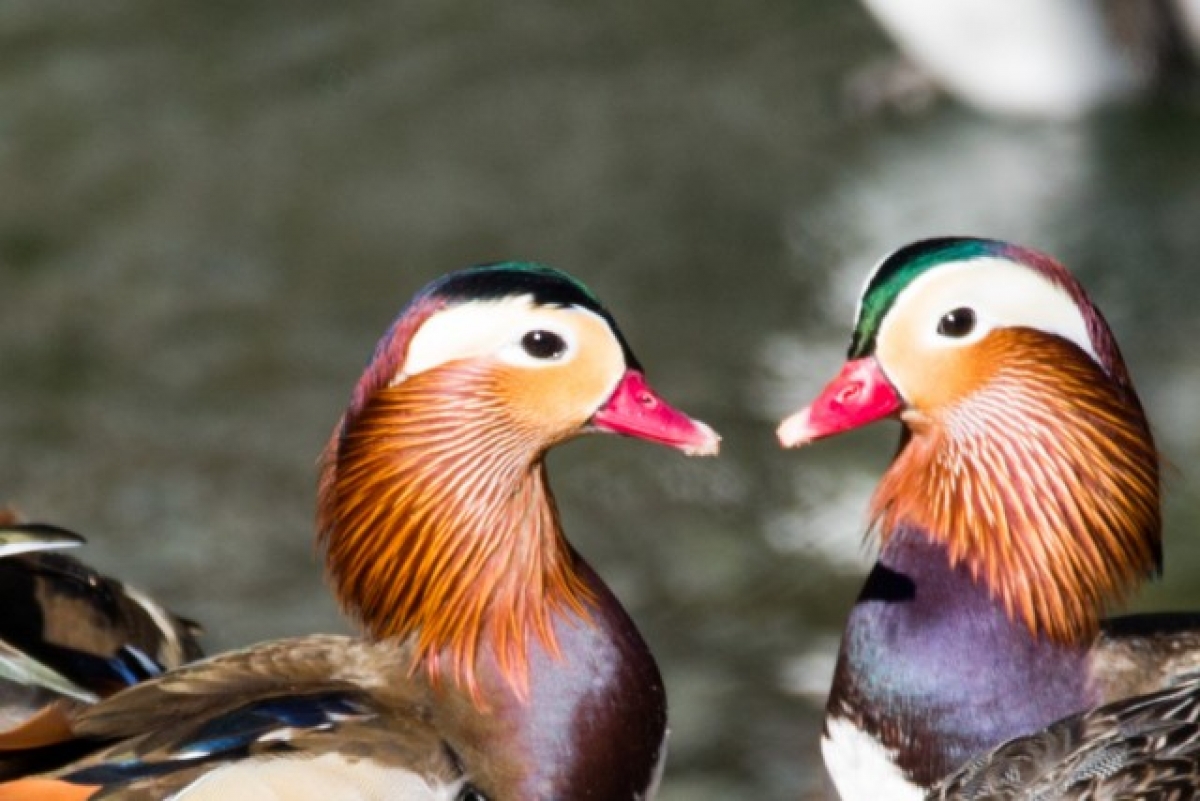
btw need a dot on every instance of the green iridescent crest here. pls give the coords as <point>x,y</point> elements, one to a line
<point>899,270</point>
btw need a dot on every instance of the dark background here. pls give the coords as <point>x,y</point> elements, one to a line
<point>209,211</point>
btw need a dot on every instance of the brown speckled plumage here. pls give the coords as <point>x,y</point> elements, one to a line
<point>89,630</point>
<point>1145,748</point>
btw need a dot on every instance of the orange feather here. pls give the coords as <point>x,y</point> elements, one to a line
<point>48,726</point>
<point>438,525</point>
<point>46,790</point>
<point>1043,479</point>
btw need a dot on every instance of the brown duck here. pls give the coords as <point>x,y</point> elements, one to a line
<point>495,664</point>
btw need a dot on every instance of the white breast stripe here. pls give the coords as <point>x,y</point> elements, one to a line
<point>329,777</point>
<point>862,768</point>
<point>656,777</point>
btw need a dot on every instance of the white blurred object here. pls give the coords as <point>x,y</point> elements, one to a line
<point>1040,58</point>
<point>1188,12</point>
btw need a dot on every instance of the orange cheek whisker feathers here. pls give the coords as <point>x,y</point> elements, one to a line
<point>1044,482</point>
<point>418,515</point>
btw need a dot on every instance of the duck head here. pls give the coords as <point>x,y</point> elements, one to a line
<point>1025,450</point>
<point>434,511</point>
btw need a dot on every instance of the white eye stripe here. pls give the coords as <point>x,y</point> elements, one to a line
<point>1001,293</point>
<point>492,328</point>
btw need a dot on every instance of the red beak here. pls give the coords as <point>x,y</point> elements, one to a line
<point>860,394</point>
<point>635,410</point>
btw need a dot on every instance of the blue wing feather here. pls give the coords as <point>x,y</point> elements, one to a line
<point>232,736</point>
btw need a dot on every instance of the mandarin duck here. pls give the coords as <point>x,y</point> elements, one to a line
<point>70,632</point>
<point>1146,747</point>
<point>1029,58</point>
<point>1023,500</point>
<point>495,663</point>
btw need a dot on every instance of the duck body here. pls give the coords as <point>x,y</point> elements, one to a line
<point>1033,59</point>
<point>931,672</point>
<point>610,698</point>
<point>496,664</point>
<point>1023,501</point>
<point>304,708</point>
<point>69,632</point>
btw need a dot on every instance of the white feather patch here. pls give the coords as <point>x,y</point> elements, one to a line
<point>328,777</point>
<point>1003,294</point>
<point>481,328</point>
<point>861,767</point>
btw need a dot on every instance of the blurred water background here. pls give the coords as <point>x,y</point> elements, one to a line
<point>209,211</point>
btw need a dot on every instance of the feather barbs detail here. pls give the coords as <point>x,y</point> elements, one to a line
<point>439,527</point>
<point>1044,481</point>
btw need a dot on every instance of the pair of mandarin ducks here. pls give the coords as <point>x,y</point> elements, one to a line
<point>497,665</point>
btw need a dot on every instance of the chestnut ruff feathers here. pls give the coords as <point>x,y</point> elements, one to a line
<point>439,525</point>
<point>1044,480</point>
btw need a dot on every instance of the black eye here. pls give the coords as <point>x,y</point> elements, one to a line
<point>957,323</point>
<point>543,344</point>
